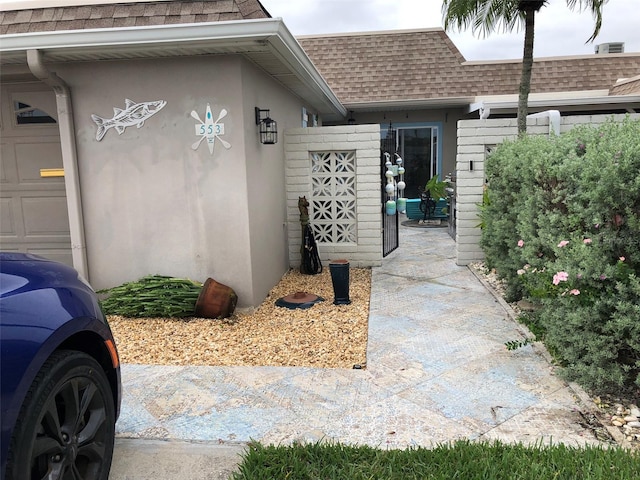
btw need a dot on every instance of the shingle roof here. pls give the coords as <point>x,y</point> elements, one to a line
<point>361,67</point>
<point>128,14</point>
<point>626,86</point>
<point>424,64</point>
<point>385,65</point>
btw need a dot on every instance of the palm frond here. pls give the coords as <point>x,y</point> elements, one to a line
<point>486,16</point>
<point>483,16</point>
<point>596,7</point>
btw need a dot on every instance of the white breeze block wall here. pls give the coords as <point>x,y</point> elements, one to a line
<point>364,140</point>
<point>475,137</point>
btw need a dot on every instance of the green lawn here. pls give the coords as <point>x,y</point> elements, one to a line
<point>462,460</point>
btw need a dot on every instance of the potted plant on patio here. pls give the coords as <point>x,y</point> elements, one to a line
<point>434,190</point>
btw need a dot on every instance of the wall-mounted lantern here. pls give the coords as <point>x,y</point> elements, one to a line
<point>268,127</point>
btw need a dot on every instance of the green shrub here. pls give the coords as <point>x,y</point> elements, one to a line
<point>563,227</point>
<point>510,173</point>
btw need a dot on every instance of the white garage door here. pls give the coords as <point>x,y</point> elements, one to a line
<point>33,206</point>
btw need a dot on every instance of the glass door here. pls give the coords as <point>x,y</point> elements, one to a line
<point>419,147</point>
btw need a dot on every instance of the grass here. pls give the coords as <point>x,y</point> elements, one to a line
<point>463,460</point>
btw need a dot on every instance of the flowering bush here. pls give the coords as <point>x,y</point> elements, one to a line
<point>563,229</point>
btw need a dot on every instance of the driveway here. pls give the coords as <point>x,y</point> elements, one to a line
<point>437,371</point>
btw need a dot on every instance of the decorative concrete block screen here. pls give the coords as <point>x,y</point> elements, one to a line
<point>476,138</point>
<point>333,197</point>
<point>337,169</point>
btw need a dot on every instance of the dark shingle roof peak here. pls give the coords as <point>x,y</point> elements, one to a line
<point>127,14</point>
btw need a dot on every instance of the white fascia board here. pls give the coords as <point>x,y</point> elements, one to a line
<point>272,33</point>
<point>410,104</point>
<point>153,34</point>
<point>475,106</point>
<point>567,101</point>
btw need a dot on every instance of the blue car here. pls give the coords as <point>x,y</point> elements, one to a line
<point>59,371</point>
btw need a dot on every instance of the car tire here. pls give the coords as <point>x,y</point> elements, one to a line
<point>66,426</point>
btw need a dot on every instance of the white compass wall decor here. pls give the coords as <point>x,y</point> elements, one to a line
<point>210,129</point>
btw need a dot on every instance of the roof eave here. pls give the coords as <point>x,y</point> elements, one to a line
<point>409,104</point>
<point>630,101</point>
<point>231,37</point>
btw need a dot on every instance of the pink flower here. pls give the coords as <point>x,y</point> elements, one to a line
<point>586,241</point>
<point>521,272</point>
<point>575,291</point>
<point>622,259</point>
<point>521,243</point>
<point>563,243</point>
<point>560,277</point>
<point>603,277</point>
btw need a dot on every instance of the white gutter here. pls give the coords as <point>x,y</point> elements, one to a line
<point>410,104</point>
<point>181,33</point>
<point>492,105</point>
<point>69,158</point>
<point>229,37</point>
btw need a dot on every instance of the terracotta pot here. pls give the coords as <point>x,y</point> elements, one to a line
<point>216,300</point>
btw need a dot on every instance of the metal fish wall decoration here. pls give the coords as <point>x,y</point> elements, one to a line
<point>133,114</point>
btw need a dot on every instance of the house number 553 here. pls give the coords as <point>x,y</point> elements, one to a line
<point>209,129</point>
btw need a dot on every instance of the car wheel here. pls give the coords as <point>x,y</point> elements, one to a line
<point>66,427</point>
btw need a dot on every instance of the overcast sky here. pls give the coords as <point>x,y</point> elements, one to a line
<point>559,31</point>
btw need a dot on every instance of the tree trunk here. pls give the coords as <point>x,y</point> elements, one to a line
<point>527,64</point>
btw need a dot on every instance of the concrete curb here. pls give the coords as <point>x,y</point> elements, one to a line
<point>174,459</point>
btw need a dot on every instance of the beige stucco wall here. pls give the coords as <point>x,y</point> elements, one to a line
<point>266,191</point>
<point>152,204</point>
<point>474,136</point>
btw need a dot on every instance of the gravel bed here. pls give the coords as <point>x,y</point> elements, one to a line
<point>323,336</point>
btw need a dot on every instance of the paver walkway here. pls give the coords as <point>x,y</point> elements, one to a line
<point>437,370</point>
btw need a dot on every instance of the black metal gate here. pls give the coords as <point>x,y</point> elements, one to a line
<point>390,235</point>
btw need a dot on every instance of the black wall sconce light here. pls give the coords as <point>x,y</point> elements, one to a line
<point>268,127</point>
<point>351,120</point>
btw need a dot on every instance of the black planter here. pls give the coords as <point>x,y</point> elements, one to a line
<point>340,279</point>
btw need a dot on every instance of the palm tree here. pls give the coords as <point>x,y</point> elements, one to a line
<point>489,15</point>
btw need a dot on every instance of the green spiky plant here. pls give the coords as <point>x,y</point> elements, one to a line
<point>153,296</point>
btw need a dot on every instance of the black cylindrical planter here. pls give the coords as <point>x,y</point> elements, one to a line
<point>340,278</point>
